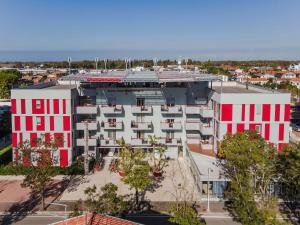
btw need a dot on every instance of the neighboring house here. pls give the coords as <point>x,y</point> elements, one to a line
<point>288,75</point>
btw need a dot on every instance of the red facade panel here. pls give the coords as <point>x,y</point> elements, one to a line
<point>20,138</point>
<point>281,132</point>
<point>266,112</point>
<point>252,112</point>
<point>267,132</point>
<point>28,120</point>
<point>226,112</point>
<point>243,112</point>
<point>63,157</point>
<point>240,127</point>
<point>229,128</point>
<point>69,140</point>
<point>51,123</point>
<point>13,106</point>
<point>287,112</point>
<point>37,106</point>
<point>66,123</point>
<point>56,106</point>
<point>23,106</point>
<point>64,106</point>
<point>33,139</point>
<point>41,125</point>
<point>48,106</point>
<point>14,140</point>
<point>277,112</point>
<point>17,123</point>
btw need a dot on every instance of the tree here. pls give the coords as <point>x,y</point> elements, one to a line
<point>105,202</point>
<point>289,174</point>
<point>249,162</point>
<point>76,209</point>
<point>158,157</point>
<point>40,158</point>
<point>184,214</point>
<point>7,79</point>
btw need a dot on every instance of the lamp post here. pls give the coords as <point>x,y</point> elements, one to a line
<point>208,184</point>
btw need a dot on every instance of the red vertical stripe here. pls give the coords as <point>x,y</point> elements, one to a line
<point>17,123</point>
<point>48,106</point>
<point>226,112</point>
<point>13,106</point>
<point>20,138</point>
<point>28,123</point>
<point>277,112</point>
<point>229,128</point>
<point>63,157</point>
<point>56,106</point>
<point>64,106</point>
<point>23,106</point>
<point>267,132</point>
<point>66,123</point>
<point>287,109</point>
<point>51,123</point>
<point>266,112</point>
<point>69,140</point>
<point>240,127</point>
<point>41,127</point>
<point>33,139</point>
<point>243,112</point>
<point>252,112</point>
<point>281,132</point>
<point>252,126</point>
<point>14,140</point>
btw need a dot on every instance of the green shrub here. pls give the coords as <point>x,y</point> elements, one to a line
<point>6,155</point>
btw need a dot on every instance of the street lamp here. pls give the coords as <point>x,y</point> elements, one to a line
<point>208,184</point>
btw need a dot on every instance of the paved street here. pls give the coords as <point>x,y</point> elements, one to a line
<point>32,220</point>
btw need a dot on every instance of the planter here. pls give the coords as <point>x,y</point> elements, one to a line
<point>157,173</point>
<point>121,173</point>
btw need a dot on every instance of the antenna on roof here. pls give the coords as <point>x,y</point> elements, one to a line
<point>96,61</point>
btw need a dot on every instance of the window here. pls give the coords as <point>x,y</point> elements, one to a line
<point>111,134</point>
<point>257,128</point>
<point>111,101</point>
<point>38,121</point>
<point>140,134</point>
<point>140,101</point>
<point>170,101</point>
<point>258,109</point>
<point>38,104</point>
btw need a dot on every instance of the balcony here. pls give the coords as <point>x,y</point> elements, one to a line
<point>107,142</point>
<point>206,112</point>
<point>206,129</point>
<point>141,125</point>
<point>171,109</point>
<point>192,109</point>
<point>112,109</point>
<point>171,125</point>
<point>192,125</point>
<point>139,141</point>
<point>86,109</point>
<point>135,109</point>
<point>91,124</point>
<point>91,141</point>
<point>206,145</point>
<point>170,141</point>
<point>112,125</point>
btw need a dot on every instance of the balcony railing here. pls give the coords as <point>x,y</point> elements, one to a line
<point>91,141</point>
<point>203,110</point>
<point>108,142</point>
<point>144,109</point>
<point>165,109</point>
<point>192,125</point>
<point>171,125</point>
<point>86,109</point>
<point>91,124</point>
<point>206,129</point>
<point>141,125</point>
<point>206,112</point>
<point>192,109</point>
<point>170,141</point>
<point>112,125</point>
<point>112,109</point>
<point>139,141</point>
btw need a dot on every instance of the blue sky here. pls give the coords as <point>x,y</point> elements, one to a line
<point>229,27</point>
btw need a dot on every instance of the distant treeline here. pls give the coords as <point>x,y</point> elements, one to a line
<point>120,63</point>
